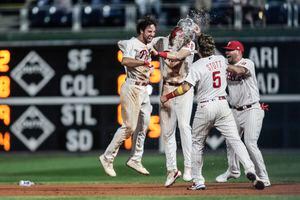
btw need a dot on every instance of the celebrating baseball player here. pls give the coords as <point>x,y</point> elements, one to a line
<point>181,36</point>
<point>208,74</point>
<point>135,101</point>
<point>244,100</point>
<point>177,110</point>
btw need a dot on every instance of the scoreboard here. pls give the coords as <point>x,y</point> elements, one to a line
<point>64,97</point>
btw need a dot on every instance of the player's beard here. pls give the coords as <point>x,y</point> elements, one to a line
<point>148,39</point>
<point>230,59</point>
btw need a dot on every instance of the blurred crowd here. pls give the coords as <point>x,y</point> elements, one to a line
<point>253,13</point>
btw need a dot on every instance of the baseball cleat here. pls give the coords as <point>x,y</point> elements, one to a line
<point>267,183</point>
<point>137,166</point>
<point>197,186</point>
<point>223,178</point>
<point>187,174</point>
<point>107,166</point>
<point>172,176</point>
<point>258,184</point>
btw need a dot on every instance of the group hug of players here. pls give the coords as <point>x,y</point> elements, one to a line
<point>235,115</point>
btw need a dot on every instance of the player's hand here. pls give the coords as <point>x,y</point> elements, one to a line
<point>153,51</point>
<point>147,64</point>
<point>264,106</point>
<point>163,99</point>
<point>197,30</point>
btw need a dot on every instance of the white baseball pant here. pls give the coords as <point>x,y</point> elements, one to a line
<point>249,123</point>
<point>136,111</point>
<point>215,114</point>
<point>177,110</point>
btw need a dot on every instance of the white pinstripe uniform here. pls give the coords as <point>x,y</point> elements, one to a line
<point>135,102</point>
<point>177,110</point>
<point>213,111</point>
<point>244,94</point>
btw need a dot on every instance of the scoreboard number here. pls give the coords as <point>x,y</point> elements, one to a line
<point>4,93</point>
<point>4,60</point>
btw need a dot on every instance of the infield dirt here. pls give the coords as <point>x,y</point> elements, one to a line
<point>180,189</point>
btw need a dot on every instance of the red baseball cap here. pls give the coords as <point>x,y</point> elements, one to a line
<point>175,31</point>
<point>234,45</point>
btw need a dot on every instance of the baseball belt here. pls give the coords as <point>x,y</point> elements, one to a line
<point>243,107</point>
<point>217,98</point>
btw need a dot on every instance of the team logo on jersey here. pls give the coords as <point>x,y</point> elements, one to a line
<point>32,73</point>
<point>32,128</point>
<point>143,54</point>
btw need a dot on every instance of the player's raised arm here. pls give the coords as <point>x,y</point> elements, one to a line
<point>182,43</point>
<point>182,89</point>
<point>177,55</point>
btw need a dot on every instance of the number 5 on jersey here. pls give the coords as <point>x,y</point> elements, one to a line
<point>216,79</point>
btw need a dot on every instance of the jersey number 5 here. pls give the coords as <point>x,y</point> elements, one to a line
<point>216,79</point>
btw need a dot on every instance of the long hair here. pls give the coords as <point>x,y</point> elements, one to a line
<point>206,45</point>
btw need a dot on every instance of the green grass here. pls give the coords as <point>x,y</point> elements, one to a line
<point>283,166</point>
<point>45,168</point>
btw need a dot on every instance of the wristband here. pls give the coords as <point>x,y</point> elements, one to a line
<point>180,90</point>
<point>170,95</point>
<point>146,63</point>
<point>163,54</point>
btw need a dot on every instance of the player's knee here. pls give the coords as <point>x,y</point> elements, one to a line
<point>166,135</point>
<point>251,144</point>
<point>129,130</point>
<point>128,135</point>
<point>185,128</point>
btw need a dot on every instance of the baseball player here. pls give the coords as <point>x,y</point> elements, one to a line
<point>208,74</point>
<point>244,100</point>
<point>134,98</point>
<point>177,110</point>
<point>182,35</point>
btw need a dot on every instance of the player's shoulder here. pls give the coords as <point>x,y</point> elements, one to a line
<point>128,45</point>
<point>219,57</point>
<point>197,65</point>
<point>132,40</point>
<point>125,42</point>
<point>213,58</point>
<point>246,63</point>
<point>160,40</point>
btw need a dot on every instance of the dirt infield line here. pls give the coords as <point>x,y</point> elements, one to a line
<point>213,189</point>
